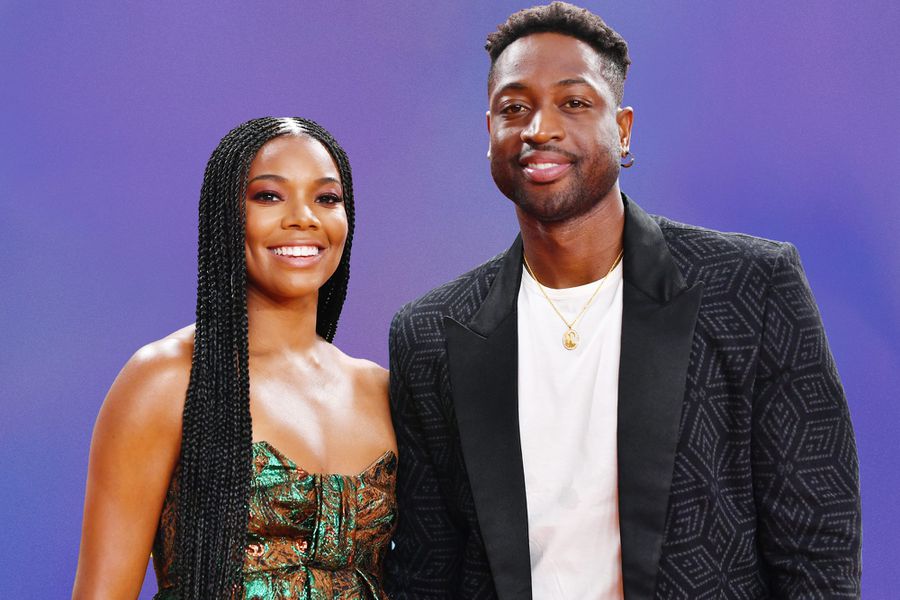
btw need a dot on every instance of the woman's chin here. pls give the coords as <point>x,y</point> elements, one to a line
<point>286,291</point>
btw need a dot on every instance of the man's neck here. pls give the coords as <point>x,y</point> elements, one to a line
<point>576,251</point>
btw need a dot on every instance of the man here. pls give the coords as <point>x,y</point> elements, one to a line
<point>618,405</point>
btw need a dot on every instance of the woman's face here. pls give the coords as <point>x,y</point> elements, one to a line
<point>296,224</point>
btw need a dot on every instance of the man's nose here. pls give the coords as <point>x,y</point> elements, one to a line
<point>544,127</point>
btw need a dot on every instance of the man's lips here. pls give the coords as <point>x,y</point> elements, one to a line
<point>544,167</point>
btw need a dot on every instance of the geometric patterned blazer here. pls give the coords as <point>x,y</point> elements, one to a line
<point>738,474</point>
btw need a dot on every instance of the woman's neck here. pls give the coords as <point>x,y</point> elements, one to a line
<point>281,327</point>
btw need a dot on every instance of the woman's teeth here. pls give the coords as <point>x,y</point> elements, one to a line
<point>296,250</point>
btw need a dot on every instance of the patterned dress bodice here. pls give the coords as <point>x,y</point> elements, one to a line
<point>310,536</point>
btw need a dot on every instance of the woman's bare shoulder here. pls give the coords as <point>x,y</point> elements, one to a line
<point>134,450</point>
<point>369,378</point>
<point>149,392</point>
<point>371,406</point>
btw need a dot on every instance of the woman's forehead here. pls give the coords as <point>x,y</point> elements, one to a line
<point>294,154</point>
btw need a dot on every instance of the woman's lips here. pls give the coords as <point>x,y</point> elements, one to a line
<point>298,256</point>
<point>545,172</point>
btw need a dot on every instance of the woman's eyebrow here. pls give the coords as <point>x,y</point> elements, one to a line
<point>268,176</point>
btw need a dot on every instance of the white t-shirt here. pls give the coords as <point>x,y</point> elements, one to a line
<point>567,422</point>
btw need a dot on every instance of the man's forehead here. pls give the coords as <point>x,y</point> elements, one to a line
<point>548,57</point>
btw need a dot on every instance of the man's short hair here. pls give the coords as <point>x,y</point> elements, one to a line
<point>571,20</point>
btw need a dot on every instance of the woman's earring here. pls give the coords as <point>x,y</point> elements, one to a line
<point>627,159</point>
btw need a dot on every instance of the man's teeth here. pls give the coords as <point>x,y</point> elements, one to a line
<point>542,165</point>
<point>296,250</point>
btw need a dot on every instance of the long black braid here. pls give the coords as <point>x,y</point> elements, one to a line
<point>213,477</point>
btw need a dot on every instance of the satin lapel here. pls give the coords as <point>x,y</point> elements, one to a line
<point>483,361</point>
<point>658,318</point>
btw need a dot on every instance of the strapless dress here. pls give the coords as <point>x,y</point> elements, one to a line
<point>310,536</point>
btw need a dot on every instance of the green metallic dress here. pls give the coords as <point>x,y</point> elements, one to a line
<point>310,536</point>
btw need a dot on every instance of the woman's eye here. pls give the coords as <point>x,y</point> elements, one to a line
<point>266,197</point>
<point>329,199</point>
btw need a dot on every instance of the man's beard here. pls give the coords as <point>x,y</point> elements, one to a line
<point>582,191</point>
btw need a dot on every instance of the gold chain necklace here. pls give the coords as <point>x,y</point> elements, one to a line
<point>570,338</point>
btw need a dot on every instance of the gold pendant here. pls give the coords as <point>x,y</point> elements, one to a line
<point>570,339</point>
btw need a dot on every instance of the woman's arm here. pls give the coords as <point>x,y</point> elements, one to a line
<point>134,451</point>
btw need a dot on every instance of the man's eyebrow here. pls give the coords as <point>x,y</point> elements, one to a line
<point>517,85</point>
<point>513,85</point>
<point>572,81</point>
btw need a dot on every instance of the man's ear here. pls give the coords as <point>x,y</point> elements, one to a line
<point>625,120</point>
<point>487,118</point>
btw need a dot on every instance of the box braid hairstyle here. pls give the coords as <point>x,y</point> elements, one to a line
<point>215,466</point>
<point>571,20</point>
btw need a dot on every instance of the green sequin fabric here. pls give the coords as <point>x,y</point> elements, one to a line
<point>310,536</point>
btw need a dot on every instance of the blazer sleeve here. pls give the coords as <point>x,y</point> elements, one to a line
<point>805,470</point>
<point>425,555</point>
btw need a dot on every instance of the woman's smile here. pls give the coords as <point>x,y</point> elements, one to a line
<point>299,254</point>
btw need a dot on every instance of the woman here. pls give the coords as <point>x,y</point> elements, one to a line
<point>254,457</point>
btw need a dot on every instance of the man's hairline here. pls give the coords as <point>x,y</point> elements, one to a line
<point>603,64</point>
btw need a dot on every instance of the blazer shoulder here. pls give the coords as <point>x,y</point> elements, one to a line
<point>698,248</point>
<point>458,298</point>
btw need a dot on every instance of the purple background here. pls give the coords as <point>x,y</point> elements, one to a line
<point>777,120</point>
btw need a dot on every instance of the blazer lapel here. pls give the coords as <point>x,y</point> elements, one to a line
<point>658,318</point>
<point>483,362</point>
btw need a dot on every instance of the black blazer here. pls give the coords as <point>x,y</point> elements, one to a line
<point>738,474</point>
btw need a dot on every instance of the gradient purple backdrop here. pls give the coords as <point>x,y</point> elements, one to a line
<point>776,120</point>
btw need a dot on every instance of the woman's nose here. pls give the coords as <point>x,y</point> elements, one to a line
<point>299,214</point>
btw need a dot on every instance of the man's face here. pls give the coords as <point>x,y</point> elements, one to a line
<point>556,134</point>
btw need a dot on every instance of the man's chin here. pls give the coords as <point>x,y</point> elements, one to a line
<point>549,210</point>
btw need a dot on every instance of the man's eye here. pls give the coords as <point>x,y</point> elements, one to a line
<point>266,197</point>
<point>575,103</point>
<point>512,109</point>
<point>329,199</point>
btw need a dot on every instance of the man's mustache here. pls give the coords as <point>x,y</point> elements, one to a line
<point>528,149</point>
